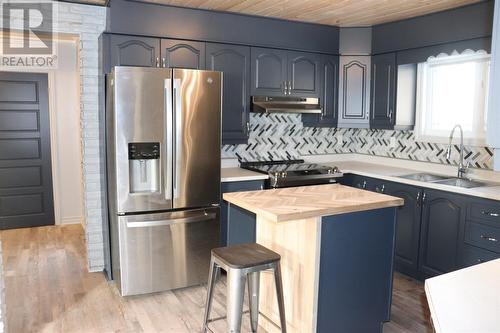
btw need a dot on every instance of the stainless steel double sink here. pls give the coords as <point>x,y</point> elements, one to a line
<point>452,181</point>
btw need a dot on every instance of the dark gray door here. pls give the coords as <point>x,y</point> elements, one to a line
<point>383,91</point>
<point>329,86</point>
<point>443,219</point>
<point>134,51</point>
<point>303,74</point>
<point>182,54</point>
<point>269,72</point>
<point>407,227</point>
<point>25,166</point>
<point>234,62</point>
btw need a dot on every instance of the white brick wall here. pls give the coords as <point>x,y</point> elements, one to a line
<point>88,22</point>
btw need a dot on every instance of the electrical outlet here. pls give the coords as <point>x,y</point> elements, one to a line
<point>393,142</point>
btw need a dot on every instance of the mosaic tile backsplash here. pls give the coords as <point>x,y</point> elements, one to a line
<point>282,136</point>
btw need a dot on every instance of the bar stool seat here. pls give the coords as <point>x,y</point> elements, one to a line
<point>245,255</point>
<point>242,261</point>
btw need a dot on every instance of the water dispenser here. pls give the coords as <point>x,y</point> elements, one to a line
<point>144,167</point>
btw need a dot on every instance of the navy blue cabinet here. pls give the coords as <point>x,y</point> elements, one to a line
<point>383,91</point>
<point>431,228</point>
<point>269,72</point>
<point>241,228</point>
<point>407,226</point>
<point>443,220</point>
<point>132,51</point>
<point>329,85</point>
<point>234,62</point>
<point>285,73</point>
<point>303,74</point>
<point>182,54</point>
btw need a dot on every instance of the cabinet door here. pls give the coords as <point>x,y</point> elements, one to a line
<point>269,72</point>
<point>383,91</point>
<point>303,74</point>
<point>234,62</point>
<point>407,227</point>
<point>443,217</point>
<point>328,99</point>
<point>354,95</point>
<point>182,54</point>
<point>242,226</point>
<point>134,51</point>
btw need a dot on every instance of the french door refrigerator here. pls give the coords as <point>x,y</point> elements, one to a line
<point>163,162</point>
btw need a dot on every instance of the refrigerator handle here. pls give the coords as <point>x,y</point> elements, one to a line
<point>157,223</point>
<point>178,133</point>
<point>168,118</point>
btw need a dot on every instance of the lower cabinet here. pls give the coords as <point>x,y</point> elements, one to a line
<point>242,227</point>
<point>443,221</point>
<point>430,228</point>
<point>407,226</point>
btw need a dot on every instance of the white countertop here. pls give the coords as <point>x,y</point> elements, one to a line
<point>238,175</point>
<point>383,168</point>
<point>467,300</point>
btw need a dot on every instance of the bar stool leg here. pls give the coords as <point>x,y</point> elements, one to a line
<point>235,293</point>
<point>212,279</point>
<point>253,298</point>
<point>279,294</point>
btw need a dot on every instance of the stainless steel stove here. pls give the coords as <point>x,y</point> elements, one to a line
<point>293,173</point>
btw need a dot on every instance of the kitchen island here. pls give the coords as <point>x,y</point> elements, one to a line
<point>336,245</point>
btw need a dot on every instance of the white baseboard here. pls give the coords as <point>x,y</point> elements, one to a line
<point>72,220</point>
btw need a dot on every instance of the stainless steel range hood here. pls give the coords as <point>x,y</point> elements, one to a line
<point>266,104</point>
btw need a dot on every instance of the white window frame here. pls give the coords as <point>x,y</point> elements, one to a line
<point>470,139</point>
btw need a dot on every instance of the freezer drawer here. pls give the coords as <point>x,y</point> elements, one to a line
<point>167,250</point>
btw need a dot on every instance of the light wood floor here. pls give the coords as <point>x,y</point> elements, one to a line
<point>48,289</point>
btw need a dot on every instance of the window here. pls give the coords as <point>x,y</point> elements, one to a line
<point>453,90</point>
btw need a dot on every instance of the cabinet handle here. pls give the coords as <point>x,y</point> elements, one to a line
<point>479,261</point>
<point>490,213</point>
<point>163,62</point>
<point>490,239</point>
<point>423,198</point>
<point>157,62</point>
<point>364,184</point>
<point>418,198</point>
<point>248,127</point>
<point>390,114</point>
<point>289,87</point>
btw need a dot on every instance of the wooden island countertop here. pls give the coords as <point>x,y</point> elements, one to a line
<point>297,203</point>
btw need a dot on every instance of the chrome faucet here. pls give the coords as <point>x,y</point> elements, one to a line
<point>462,168</point>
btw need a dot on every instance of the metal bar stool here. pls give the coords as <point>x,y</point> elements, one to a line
<point>239,261</point>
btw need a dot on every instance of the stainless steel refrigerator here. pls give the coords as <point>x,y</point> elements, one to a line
<point>163,162</point>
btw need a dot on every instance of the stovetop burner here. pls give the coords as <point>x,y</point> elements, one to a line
<point>286,173</point>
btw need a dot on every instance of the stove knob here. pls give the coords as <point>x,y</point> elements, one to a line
<point>283,174</point>
<point>276,174</point>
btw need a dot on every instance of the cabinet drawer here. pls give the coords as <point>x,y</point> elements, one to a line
<point>482,236</point>
<point>485,211</point>
<point>473,256</point>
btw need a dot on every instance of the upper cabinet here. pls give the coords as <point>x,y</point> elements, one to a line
<point>303,74</point>
<point>153,52</point>
<point>329,79</point>
<point>383,91</point>
<point>182,54</point>
<point>285,73</point>
<point>354,91</point>
<point>134,51</point>
<point>269,72</point>
<point>234,62</point>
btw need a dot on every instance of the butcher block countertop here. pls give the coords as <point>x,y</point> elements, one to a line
<point>296,203</point>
